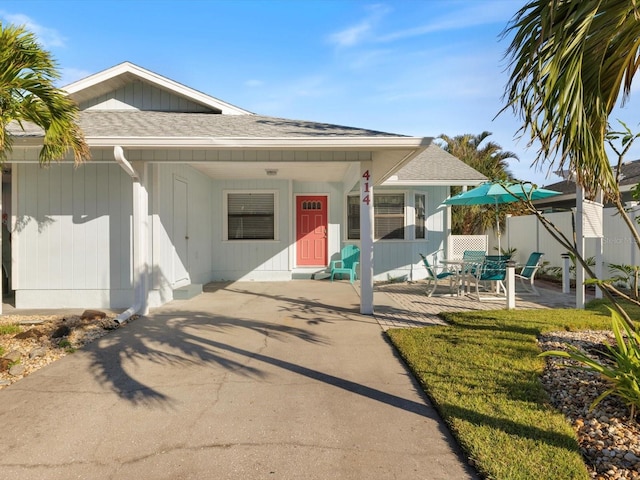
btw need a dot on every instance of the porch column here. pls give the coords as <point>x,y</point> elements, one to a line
<point>140,237</point>
<point>366,238</point>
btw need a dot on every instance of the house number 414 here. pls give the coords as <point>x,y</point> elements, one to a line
<point>366,198</point>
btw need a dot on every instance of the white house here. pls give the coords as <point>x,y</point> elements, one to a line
<point>185,189</point>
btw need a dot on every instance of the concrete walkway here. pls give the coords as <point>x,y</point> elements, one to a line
<point>280,380</point>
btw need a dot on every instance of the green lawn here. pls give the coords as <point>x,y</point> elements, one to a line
<point>482,373</point>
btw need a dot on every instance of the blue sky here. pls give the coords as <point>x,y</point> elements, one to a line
<point>409,67</point>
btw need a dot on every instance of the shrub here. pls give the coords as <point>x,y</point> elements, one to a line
<point>621,368</point>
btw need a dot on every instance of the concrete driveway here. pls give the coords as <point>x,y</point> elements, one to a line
<point>246,381</point>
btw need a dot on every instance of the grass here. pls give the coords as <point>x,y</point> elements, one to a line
<point>482,374</point>
<point>9,329</point>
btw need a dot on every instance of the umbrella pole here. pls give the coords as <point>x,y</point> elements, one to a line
<point>498,227</point>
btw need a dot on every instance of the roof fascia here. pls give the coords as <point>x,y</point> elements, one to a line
<point>155,79</point>
<point>360,143</point>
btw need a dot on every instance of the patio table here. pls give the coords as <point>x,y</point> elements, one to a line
<point>464,270</point>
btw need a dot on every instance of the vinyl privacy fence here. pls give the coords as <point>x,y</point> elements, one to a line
<point>526,234</point>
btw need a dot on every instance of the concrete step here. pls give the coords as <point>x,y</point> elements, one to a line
<point>187,292</point>
<point>317,273</point>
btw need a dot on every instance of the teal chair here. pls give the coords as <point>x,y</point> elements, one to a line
<point>348,263</point>
<point>433,277</point>
<point>494,271</point>
<point>528,273</point>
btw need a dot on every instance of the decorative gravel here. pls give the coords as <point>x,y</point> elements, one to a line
<point>609,439</point>
<point>44,339</point>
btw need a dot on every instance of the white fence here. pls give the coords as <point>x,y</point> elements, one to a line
<point>527,235</point>
<point>459,243</point>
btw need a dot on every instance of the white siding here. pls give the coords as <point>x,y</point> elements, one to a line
<point>251,260</point>
<point>71,235</point>
<point>200,229</point>
<point>399,259</point>
<point>142,96</point>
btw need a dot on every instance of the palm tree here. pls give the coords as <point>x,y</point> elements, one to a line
<point>489,159</point>
<point>571,61</point>
<point>28,94</point>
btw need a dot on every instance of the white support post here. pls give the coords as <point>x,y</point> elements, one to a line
<point>566,277</point>
<point>599,251</point>
<point>366,237</point>
<point>511,285</point>
<point>580,292</point>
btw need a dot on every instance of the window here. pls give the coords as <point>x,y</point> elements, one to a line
<point>251,216</point>
<point>388,212</point>
<point>353,217</point>
<point>420,209</point>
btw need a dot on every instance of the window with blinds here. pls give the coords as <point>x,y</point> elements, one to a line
<point>251,216</point>
<point>388,212</point>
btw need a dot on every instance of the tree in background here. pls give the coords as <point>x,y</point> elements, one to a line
<point>489,159</point>
<point>28,94</point>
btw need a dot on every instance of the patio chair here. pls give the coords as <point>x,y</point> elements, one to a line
<point>348,263</point>
<point>491,271</point>
<point>433,277</point>
<point>528,273</point>
<point>472,259</point>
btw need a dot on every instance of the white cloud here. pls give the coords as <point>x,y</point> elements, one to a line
<point>472,15</point>
<point>362,30</point>
<point>48,37</point>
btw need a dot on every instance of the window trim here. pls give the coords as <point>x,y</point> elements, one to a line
<point>406,206</point>
<point>225,215</point>
<point>415,216</point>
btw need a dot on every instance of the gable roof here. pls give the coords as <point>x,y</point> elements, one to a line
<point>115,77</point>
<point>435,166</point>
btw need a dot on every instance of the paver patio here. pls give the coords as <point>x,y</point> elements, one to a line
<point>401,305</point>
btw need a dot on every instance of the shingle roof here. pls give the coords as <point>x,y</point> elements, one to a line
<point>629,175</point>
<point>435,164</point>
<point>121,123</point>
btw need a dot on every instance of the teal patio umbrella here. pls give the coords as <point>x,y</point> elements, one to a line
<point>494,193</point>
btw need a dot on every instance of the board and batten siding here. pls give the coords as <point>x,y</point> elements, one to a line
<point>198,262</point>
<point>71,232</point>
<point>139,95</point>
<point>251,259</point>
<point>399,259</point>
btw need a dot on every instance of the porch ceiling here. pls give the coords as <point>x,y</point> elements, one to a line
<point>306,172</point>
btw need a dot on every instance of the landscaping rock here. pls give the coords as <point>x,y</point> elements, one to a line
<point>93,315</point>
<point>17,370</point>
<point>5,363</point>
<point>61,331</point>
<point>32,333</point>
<point>38,352</point>
<point>13,356</point>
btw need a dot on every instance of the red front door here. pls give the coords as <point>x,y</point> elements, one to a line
<point>311,230</point>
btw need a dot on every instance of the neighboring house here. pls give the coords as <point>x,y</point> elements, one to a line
<point>185,189</point>
<point>629,178</point>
